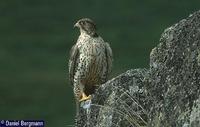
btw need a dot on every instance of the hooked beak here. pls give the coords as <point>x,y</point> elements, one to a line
<point>76,25</point>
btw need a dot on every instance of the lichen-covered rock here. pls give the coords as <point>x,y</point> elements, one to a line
<point>166,95</point>
<point>175,74</point>
<point>118,103</point>
<point>195,114</point>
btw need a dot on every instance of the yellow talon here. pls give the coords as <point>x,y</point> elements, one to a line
<point>84,97</point>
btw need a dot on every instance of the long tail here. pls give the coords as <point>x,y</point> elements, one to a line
<point>77,117</point>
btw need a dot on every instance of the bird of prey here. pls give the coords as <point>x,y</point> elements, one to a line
<point>90,61</point>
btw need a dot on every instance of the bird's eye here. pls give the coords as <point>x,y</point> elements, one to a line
<point>82,22</point>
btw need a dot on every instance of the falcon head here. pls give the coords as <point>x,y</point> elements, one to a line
<point>86,26</point>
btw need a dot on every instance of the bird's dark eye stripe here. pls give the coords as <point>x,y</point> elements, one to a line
<point>91,23</point>
<point>88,21</point>
<point>82,22</point>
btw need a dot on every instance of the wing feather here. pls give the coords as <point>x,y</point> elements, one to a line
<point>74,54</point>
<point>109,57</point>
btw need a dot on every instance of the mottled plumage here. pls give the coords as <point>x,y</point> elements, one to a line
<point>90,60</point>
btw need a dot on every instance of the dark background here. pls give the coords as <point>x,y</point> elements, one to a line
<point>36,35</point>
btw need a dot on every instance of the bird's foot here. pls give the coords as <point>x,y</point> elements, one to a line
<point>84,97</point>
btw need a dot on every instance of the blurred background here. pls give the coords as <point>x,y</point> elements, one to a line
<point>36,36</point>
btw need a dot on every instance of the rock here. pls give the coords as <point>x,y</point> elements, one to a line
<point>175,74</point>
<point>165,95</point>
<point>119,102</point>
<point>195,114</point>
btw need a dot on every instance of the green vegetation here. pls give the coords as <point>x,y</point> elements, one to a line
<point>36,37</point>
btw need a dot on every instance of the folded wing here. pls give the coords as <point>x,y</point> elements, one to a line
<point>74,54</point>
<point>109,57</point>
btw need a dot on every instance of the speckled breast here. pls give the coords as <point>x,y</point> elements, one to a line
<point>94,60</point>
